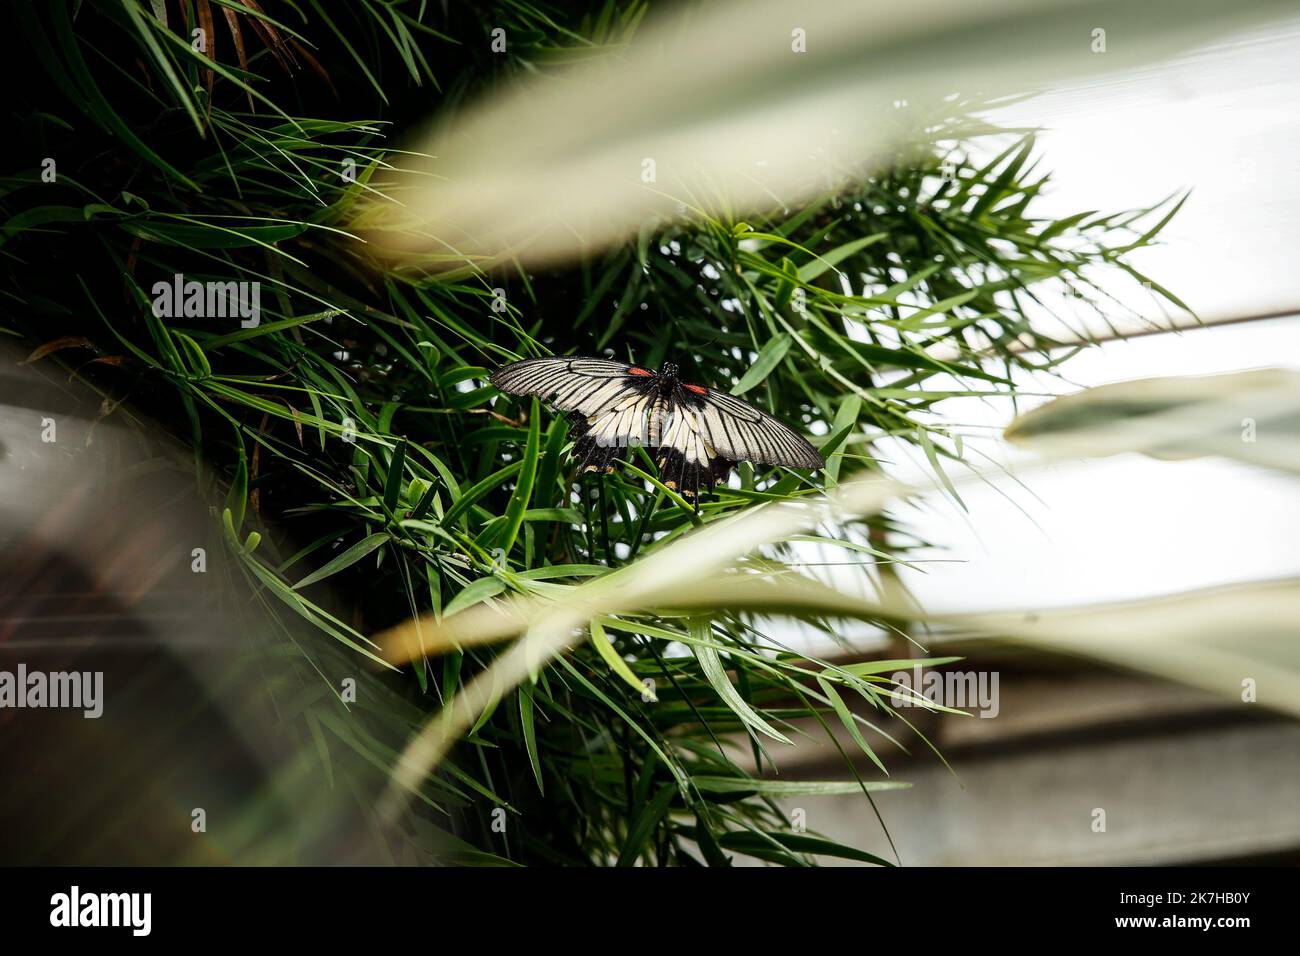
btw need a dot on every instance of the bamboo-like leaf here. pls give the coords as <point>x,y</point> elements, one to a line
<point>527,718</point>
<point>619,666</point>
<point>755,843</point>
<point>351,556</point>
<point>768,359</point>
<point>716,675</point>
<point>393,483</point>
<point>644,825</point>
<point>523,484</point>
<point>793,788</point>
<point>1253,416</point>
<point>850,724</point>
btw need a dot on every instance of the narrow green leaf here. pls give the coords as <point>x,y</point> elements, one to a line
<point>792,788</point>
<point>837,255</point>
<point>850,723</point>
<point>768,359</point>
<point>619,666</point>
<point>524,484</point>
<point>527,716</point>
<point>345,560</point>
<point>744,841</point>
<point>396,477</point>
<point>645,824</point>
<point>711,665</point>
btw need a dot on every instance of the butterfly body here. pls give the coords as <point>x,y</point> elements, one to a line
<point>695,434</point>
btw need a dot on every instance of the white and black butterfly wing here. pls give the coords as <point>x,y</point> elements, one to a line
<point>687,461</point>
<point>573,384</point>
<point>708,433</point>
<point>608,402</point>
<point>741,432</point>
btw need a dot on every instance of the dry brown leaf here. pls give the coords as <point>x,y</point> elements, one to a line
<point>66,342</point>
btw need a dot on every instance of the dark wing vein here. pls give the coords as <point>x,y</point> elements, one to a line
<point>586,385</point>
<point>741,432</point>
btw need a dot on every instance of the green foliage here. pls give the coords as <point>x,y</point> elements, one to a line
<point>356,434</point>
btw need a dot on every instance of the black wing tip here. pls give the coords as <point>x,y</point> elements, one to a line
<point>499,375</point>
<point>548,358</point>
<point>812,459</point>
<point>515,364</point>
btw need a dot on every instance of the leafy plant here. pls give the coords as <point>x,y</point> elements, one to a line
<point>371,475</point>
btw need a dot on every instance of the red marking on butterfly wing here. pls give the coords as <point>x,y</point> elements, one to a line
<point>637,370</point>
<point>697,389</point>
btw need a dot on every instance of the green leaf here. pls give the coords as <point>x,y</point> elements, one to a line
<point>267,328</point>
<point>743,841</point>
<point>645,824</point>
<point>837,255</point>
<point>850,722</point>
<point>866,668</point>
<point>527,715</point>
<point>792,788</point>
<point>524,484</point>
<point>768,359</point>
<point>475,593</point>
<point>846,418</point>
<point>713,670</point>
<point>932,455</point>
<point>195,235</point>
<point>237,496</point>
<point>998,188</point>
<point>396,478</point>
<point>619,666</point>
<point>345,560</point>
<point>469,496</point>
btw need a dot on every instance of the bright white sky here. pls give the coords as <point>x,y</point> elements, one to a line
<point>1224,121</point>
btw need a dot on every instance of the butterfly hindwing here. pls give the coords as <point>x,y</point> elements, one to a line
<point>687,461</point>
<point>600,439</point>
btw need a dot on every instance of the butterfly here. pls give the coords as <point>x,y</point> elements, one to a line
<point>696,435</point>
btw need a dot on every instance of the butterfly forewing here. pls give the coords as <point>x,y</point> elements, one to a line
<point>587,385</point>
<point>741,432</point>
